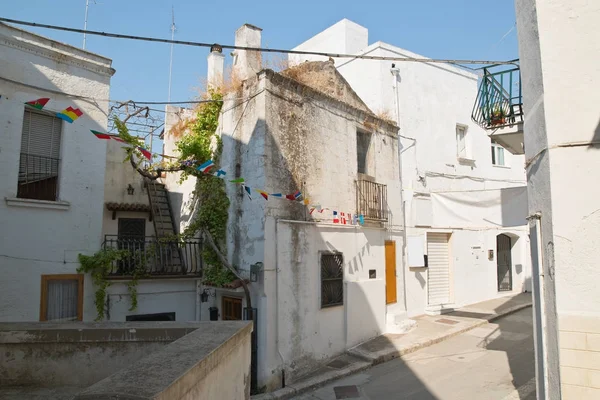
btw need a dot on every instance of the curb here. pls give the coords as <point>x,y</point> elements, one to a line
<point>370,360</point>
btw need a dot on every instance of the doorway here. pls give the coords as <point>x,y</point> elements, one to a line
<point>232,308</point>
<point>438,271</point>
<point>504,262</point>
<point>390,272</point>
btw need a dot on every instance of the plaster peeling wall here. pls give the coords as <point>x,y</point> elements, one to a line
<point>44,240</point>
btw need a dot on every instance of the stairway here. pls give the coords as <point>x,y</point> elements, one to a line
<point>169,254</point>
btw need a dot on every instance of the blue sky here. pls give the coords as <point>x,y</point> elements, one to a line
<point>466,29</point>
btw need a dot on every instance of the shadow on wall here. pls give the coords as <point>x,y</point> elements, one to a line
<point>596,138</point>
<point>276,152</point>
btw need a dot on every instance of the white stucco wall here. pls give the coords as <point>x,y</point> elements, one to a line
<point>428,101</point>
<point>560,62</point>
<point>45,240</point>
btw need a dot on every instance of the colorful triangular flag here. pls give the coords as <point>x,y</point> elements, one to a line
<point>220,173</point>
<point>264,194</point>
<point>361,219</point>
<point>237,180</point>
<point>206,166</point>
<point>39,103</point>
<point>277,195</point>
<point>100,135</point>
<point>336,220</point>
<point>248,191</point>
<point>69,114</point>
<point>145,152</point>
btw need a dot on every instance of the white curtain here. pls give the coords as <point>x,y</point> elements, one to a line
<point>62,300</point>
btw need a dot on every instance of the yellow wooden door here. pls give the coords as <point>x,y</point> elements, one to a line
<point>390,272</point>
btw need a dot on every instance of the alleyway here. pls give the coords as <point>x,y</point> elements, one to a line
<point>488,362</point>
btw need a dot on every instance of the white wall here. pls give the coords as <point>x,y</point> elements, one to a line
<point>46,240</point>
<point>560,63</point>
<point>428,101</point>
<point>308,333</point>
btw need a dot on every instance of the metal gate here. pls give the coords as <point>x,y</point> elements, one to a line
<point>504,262</point>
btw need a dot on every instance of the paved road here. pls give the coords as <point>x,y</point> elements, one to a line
<point>486,363</point>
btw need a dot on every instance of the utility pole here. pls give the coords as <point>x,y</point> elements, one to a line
<point>171,58</point>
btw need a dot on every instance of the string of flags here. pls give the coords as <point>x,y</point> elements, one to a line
<point>69,114</point>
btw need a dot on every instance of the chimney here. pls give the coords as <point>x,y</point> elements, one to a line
<point>216,62</point>
<point>247,63</point>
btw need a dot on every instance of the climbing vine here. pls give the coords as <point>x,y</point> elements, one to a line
<point>202,143</point>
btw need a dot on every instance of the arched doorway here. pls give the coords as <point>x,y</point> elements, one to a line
<point>504,262</point>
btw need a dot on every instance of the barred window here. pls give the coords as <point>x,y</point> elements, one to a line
<point>40,156</point>
<point>332,279</point>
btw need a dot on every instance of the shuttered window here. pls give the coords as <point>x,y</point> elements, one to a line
<point>438,273</point>
<point>40,156</point>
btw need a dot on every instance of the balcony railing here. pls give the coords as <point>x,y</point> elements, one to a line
<point>371,200</point>
<point>156,256</point>
<point>38,177</point>
<point>499,101</point>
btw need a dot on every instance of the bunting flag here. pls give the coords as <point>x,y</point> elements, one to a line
<point>69,114</point>
<point>361,219</point>
<point>100,135</point>
<point>297,195</point>
<point>290,197</point>
<point>336,220</point>
<point>354,219</point>
<point>145,152</point>
<point>306,201</point>
<point>237,180</point>
<point>312,209</point>
<point>205,167</point>
<point>39,103</point>
<point>248,191</point>
<point>264,194</point>
<point>277,195</point>
<point>220,173</point>
<point>343,218</point>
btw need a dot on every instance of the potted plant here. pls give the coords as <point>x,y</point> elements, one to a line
<point>498,116</point>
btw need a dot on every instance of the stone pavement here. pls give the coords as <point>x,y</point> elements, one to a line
<point>430,330</point>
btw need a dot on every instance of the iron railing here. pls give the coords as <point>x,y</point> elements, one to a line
<point>38,177</point>
<point>156,256</point>
<point>371,200</point>
<point>499,101</point>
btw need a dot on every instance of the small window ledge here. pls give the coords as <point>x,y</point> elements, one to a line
<point>51,205</point>
<point>466,160</point>
<point>501,166</point>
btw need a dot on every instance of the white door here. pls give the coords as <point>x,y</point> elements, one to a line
<point>438,272</point>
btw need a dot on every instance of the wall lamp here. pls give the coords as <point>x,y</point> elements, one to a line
<point>130,189</point>
<point>205,294</point>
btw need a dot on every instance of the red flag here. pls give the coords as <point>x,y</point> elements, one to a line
<point>146,153</point>
<point>39,103</point>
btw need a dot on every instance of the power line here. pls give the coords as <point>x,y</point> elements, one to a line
<point>261,49</point>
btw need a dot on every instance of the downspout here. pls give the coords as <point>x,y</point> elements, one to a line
<point>396,74</point>
<point>198,303</point>
<point>277,304</point>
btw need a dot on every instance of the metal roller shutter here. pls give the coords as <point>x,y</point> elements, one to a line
<point>438,273</point>
<point>41,134</point>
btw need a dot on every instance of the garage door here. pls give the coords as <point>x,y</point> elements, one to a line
<point>438,273</point>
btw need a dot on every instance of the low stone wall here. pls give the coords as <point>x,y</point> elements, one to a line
<point>142,360</point>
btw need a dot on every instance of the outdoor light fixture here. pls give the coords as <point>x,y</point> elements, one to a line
<point>254,270</point>
<point>205,294</point>
<point>130,189</point>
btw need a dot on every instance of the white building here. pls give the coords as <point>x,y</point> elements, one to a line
<point>51,175</point>
<point>464,197</point>
<point>323,286</point>
<point>559,47</point>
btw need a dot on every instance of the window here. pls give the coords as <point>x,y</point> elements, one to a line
<point>62,298</point>
<point>363,141</point>
<point>232,308</point>
<point>461,141</point>
<point>332,279</point>
<point>497,154</point>
<point>40,156</point>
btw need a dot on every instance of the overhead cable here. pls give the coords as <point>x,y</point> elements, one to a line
<point>261,49</point>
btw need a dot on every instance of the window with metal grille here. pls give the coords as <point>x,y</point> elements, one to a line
<point>363,141</point>
<point>332,279</point>
<point>62,298</point>
<point>40,156</point>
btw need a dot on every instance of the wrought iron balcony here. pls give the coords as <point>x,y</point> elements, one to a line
<point>371,200</point>
<point>499,106</point>
<point>157,257</point>
<point>38,177</point>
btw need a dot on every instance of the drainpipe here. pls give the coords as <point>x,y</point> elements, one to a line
<point>277,304</point>
<point>198,303</point>
<point>396,79</point>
